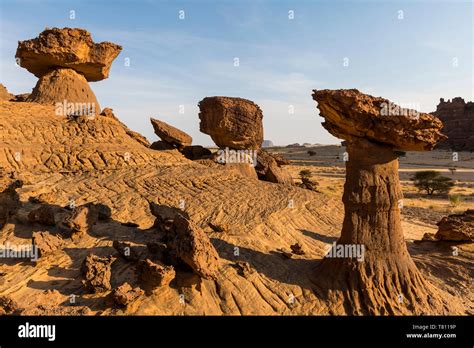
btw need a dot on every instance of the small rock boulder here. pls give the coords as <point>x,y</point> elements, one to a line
<point>82,219</point>
<point>457,227</point>
<point>156,274</point>
<point>268,169</point>
<point>191,245</point>
<point>161,145</point>
<point>125,294</point>
<point>97,272</point>
<point>170,134</point>
<point>47,243</point>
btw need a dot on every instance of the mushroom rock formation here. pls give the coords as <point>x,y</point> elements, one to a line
<point>384,280</point>
<point>232,122</point>
<point>170,134</point>
<point>64,60</point>
<point>67,48</point>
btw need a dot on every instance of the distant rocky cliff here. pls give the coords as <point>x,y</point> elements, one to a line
<point>458,119</point>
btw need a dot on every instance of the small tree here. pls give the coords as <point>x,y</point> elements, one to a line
<point>311,152</point>
<point>431,181</point>
<point>452,170</point>
<point>305,173</point>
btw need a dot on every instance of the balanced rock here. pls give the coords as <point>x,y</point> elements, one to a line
<point>232,122</point>
<point>68,91</point>
<point>372,193</point>
<point>350,114</point>
<point>67,48</point>
<point>457,227</point>
<point>170,134</point>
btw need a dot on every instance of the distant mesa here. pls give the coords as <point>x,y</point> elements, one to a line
<point>267,143</point>
<point>458,119</point>
<point>65,60</point>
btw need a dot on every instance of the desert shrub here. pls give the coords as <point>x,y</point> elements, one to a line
<point>311,152</point>
<point>431,182</point>
<point>455,200</point>
<point>305,173</point>
<point>400,153</point>
<point>452,170</point>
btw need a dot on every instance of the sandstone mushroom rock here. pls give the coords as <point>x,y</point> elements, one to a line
<point>97,273</point>
<point>457,227</point>
<point>67,48</point>
<point>65,60</point>
<point>232,122</point>
<point>385,273</point>
<point>170,134</point>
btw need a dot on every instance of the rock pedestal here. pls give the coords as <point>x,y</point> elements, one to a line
<point>382,278</point>
<point>65,60</point>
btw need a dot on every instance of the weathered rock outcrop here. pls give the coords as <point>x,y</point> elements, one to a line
<point>125,294</point>
<point>68,91</point>
<point>170,134</point>
<point>385,272</point>
<point>458,119</point>
<point>64,60</point>
<point>67,48</point>
<point>232,122</point>
<point>46,243</point>
<point>156,274</point>
<point>4,94</point>
<point>457,227</point>
<point>186,242</point>
<point>97,272</point>
<point>268,169</point>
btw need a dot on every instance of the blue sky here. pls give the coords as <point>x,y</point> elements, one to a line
<point>411,52</point>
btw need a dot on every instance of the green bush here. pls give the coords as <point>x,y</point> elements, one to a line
<point>305,173</point>
<point>431,182</point>
<point>455,200</point>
